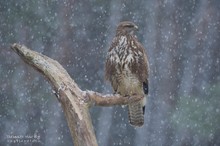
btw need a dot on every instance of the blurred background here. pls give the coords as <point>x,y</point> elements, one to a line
<point>182,39</point>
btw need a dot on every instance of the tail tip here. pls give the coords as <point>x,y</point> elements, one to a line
<point>137,124</point>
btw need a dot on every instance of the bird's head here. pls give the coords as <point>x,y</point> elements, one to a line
<point>126,27</point>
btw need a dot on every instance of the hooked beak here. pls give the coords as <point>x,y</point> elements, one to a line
<point>136,27</point>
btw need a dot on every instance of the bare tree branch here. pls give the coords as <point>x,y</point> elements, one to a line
<point>74,101</point>
<point>109,99</point>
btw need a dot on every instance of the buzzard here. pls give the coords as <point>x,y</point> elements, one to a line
<point>126,68</point>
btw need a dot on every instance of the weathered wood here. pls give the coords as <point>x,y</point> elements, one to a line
<point>98,99</point>
<point>74,101</point>
<point>68,93</point>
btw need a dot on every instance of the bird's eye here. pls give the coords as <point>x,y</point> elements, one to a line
<point>129,25</point>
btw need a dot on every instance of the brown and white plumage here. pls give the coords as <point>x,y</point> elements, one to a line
<point>127,69</point>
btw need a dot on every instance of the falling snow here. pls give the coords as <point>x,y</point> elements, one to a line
<point>182,39</point>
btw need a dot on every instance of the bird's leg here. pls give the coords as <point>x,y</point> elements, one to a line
<point>134,97</point>
<point>126,96</point>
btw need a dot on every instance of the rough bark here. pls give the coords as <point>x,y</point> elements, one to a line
<point>74,101</point>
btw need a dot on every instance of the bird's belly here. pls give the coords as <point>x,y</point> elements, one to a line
<point>129,84</point>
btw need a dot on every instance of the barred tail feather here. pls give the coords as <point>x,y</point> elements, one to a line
<point>136,114</point>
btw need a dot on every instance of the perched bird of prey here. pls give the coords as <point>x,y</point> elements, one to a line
<point>127,69</point>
